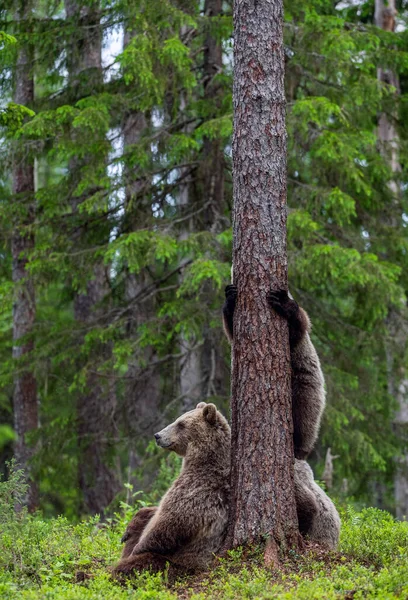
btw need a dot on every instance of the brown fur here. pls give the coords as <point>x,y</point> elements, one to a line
<point>135,529</point>
<point>189,525</point>
<point>318,517</point>
<point>308,394</point>
<point>190,522</point>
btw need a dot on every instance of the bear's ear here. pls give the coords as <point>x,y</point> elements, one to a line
<point>210,413</point>
<point>201,404</point>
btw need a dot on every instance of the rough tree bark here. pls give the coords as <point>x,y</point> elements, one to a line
<point>97,473</point>
<point>389,146</point>
<point>25,405</point>
<point>263,500</point>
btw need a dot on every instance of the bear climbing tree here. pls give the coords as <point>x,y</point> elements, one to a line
<point>263,498</point>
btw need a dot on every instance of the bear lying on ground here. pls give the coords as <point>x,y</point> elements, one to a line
<point>190,522</point>
<point>308,393</point>
<point>189,525</point>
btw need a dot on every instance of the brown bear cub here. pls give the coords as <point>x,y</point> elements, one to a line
<point>308,394</point>
<point>190,522</point>
<point>317,515</point>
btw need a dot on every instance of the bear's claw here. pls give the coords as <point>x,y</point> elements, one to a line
<point>231,291</point>
<point>281,303</point>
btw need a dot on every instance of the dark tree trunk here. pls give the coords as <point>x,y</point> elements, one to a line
<point>97,471</point>
<point>25,403</point>
<point>263,500</point>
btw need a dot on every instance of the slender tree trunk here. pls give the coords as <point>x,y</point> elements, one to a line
<point>202,374</point>
<point>25,403</point>
<point>212,164</point>
<point>191,375</point>
<point>387,134</point>
<point>142,396</point>
<point>97,471</point>
<point>389,146</point>
<point>211,189</point>
<point>263,499</point>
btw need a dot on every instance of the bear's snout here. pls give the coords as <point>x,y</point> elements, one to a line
<point>164,438</point>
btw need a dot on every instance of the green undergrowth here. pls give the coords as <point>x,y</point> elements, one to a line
<point>57,559</point>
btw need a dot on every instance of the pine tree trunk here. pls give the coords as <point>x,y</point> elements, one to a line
<point>211,176</point>
<point>97,471</point>
<point>263,500</point>
<point>203,374</point>
<point>389,146</point>
<point>212,164</point>
<point>142,396</point>
<point>25,403</point>
<point>190,365</point>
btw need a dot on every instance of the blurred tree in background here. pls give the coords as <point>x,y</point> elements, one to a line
<point>125,234</point>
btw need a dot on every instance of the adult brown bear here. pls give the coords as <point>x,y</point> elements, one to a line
<point>189,524</point>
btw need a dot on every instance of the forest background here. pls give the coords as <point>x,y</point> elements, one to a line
<point>115,217</point>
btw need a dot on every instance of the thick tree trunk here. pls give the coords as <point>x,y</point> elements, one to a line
<point>97,472</point>
<point>389,146</point>
<point>25,403</point>
<point>263,499</point>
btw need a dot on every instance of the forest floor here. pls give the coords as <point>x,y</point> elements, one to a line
<point>55,559</point>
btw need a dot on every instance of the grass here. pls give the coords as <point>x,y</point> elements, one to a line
<point>48,559</point>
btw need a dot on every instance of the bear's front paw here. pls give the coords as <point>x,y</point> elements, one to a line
<point>121,571</point>
<point>281,303</point>
<point>231,292</point>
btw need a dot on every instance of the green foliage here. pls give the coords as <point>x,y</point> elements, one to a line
<point>374,536</point>
<point>12,492</point>
<point>144,208</point>
<point>6,39</point>
<point>169,469</point>
<point>55,559</point>
<point>12,117</point>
